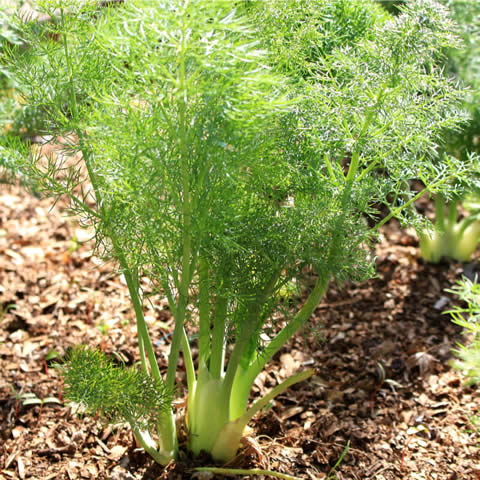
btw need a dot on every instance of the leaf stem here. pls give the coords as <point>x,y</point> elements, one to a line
<point>219,332</point>
<point>289,330</point>
<point>204,309</point>
<point>440,212</point>
<point>262,402</point>
<point>452,212</point>
<point>72,197</point>
<point>144,338</point>
<point>148,447</point>
<point>187,357</point>
<point>239,471</point>
<point>182,303</point>
<point>396,211</point>
<point>246,333</point>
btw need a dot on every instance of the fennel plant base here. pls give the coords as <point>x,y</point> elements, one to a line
<point>452,238</point>
<point>213,426</point>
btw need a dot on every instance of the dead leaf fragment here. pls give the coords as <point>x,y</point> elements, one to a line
<point>117,452</point>
<point>21,468</point>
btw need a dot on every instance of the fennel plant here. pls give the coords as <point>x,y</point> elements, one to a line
<point>224,150</point>
<point>453,238</point>
<point>468,317</point>
<point>464,63</point>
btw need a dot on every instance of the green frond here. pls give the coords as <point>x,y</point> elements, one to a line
<point>120,394</point>
<point>468,318</point>
<point>300,34</point>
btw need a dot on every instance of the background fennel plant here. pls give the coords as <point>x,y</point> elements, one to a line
<point>453,238</point>
<point>223,151</point>
<point>467,317</point>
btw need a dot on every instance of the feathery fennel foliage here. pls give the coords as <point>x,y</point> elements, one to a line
<point>119,393</point>
<point>225,151</point>
<point>468,317</point>
<point>464,63</point>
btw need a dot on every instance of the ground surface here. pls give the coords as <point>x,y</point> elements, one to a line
<point>381,351</point>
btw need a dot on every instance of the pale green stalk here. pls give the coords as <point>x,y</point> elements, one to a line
<point>244,338</point>
<point>440,212</point>
<point>226,444</point>
<point>188,360</point>
<point>266,399</point>
<point>329,168</point>
<point>186,213</point>
<point>204,310</point>
<point>465,223</point>
<point>395,212</point>
<point>244,380</point>
<point>241,471</point>
<point>144,337</point>
<point>452,212</point>
<point>217,359</point>
<point>187,354</point>
<point>148,445</point>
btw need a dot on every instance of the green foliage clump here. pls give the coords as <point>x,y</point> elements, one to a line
<point>227,151</point>
<point>17,120</point>
<point>452,238</point>
<point>468,317</point>
<point>8,36</point>
<point>464,63</point>
<point>300,35</point>
<point>120,394</point>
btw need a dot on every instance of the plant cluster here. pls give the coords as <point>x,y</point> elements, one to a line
<point>452,238</point>
<point>465,64</point>
<point>468,317</point>
<point>17,120</point>
<point>94,380</point>
<point>225,151</point>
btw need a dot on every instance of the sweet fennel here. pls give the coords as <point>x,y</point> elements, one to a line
<point>468,361</point>
<point>223,150</point>
<point>453,238</point>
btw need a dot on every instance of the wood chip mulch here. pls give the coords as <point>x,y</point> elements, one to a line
<point>381,350</point>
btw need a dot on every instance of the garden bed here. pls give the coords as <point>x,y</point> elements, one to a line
<point>380,350</point>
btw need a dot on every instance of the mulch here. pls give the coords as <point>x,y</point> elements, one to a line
<point>384,398</point>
